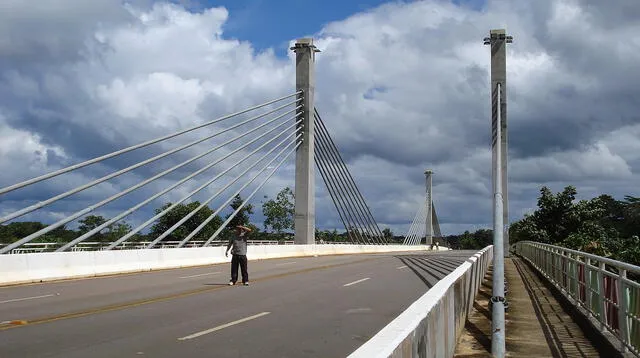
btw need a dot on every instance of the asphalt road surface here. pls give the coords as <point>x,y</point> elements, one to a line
<point>323,306</point>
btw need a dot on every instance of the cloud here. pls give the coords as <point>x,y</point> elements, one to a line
<point>597,162</point>
<point>402,88</point>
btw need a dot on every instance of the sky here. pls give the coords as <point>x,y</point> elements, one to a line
<point>403,86</point>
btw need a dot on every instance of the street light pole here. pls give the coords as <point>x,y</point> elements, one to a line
<point>497,40</point>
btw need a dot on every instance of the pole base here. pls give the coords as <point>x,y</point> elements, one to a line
<point>495,299</point>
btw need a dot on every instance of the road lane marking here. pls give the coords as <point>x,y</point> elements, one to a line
<point>286,263</point>
<point>354,282</point>
<point>147,301</point>
<point>358,310</point>
<point>401,267</point>
<point>226,325</point>
<point>202,274</point>
<point>30,298</point>
<point>15,322</point>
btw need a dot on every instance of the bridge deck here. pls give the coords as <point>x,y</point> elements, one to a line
<point>537,325</point>
<point>298,307</point>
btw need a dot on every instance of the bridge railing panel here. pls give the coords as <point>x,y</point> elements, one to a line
<point>607,290</point>
<point>37,247</point>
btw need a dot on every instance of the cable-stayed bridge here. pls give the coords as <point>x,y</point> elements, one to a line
<point>161,290</point>
<point>425,224</point>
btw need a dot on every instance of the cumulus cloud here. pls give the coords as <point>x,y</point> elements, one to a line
<point>402,88</point>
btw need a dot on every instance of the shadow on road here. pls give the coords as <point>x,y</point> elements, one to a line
<point>431,267</point>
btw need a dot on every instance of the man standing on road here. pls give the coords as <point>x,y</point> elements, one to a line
<point>239,254</point>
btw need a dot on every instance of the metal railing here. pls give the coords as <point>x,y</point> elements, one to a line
<point>37,247</point>
<point>597,284</point>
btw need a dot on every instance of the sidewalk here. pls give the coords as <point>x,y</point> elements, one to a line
<point>536,324</point>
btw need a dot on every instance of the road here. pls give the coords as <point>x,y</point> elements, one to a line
<point>298,307</point>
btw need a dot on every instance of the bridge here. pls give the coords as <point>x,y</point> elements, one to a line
<point>167,294</point>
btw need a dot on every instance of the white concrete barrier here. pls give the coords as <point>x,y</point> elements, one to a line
<point>39,267</point>
<point>431,326</point>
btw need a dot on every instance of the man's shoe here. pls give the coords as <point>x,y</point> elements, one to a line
<point>231,283</point>
<point>246,283</point>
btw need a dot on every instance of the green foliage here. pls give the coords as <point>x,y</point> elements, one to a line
<point>118,230</point>
<point>279,213</point>
<point>242,217</point>
<point>601,226</point>
<point>471,241</point>
<point>17,230</point>
<point>14,231</point>
<point>466,241</point>
<point>109,234</point>
<point>181,232</point>
<point>330,236</point>
<point>89,223</point>
<point>388,234</point>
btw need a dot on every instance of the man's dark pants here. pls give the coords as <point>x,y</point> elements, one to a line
<point>242,261</point>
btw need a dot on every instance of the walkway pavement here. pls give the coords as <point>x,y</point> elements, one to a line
<point>536,324</point>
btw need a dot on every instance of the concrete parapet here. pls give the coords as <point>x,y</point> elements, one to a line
<point>431,326</point>
<point>39,267</point>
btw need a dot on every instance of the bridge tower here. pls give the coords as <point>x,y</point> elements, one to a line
<point>305,221</point>
<point>429,203</point>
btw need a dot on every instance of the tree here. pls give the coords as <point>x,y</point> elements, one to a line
<point>109,234</point>
<point>527,230</point>
<point>602,225</point>
<point>59,234</point>
<point>89,223</point>
<point>467,242</point>
<point>387,233</point>
<point>279,213</point>
<point>242,217</point>
<point>630,223</point>
<point>483,238</point>
<point>176,214</point>
<point>17,230</point>
<point>117,230</point>
<point>552,214</point>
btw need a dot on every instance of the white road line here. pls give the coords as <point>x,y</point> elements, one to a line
<point>30,298</point>
<point>286,263</point>
<point>202,333</point>
<point>202,274</point>
<point>354,282</point>
<point>401,267</point>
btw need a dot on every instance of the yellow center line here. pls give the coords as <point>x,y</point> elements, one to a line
<point>121,306</point>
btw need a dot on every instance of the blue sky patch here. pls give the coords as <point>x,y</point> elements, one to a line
<point>274,23</point>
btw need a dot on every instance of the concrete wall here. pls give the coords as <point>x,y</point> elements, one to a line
<point>431,326</point>
<point>38,267</point>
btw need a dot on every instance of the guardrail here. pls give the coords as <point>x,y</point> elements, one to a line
<point>597,284</point>
<point>431,326</point>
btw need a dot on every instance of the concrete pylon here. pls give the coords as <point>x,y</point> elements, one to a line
<point>429,203</point>
<point>305,219</point>
<point>498,40</point>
